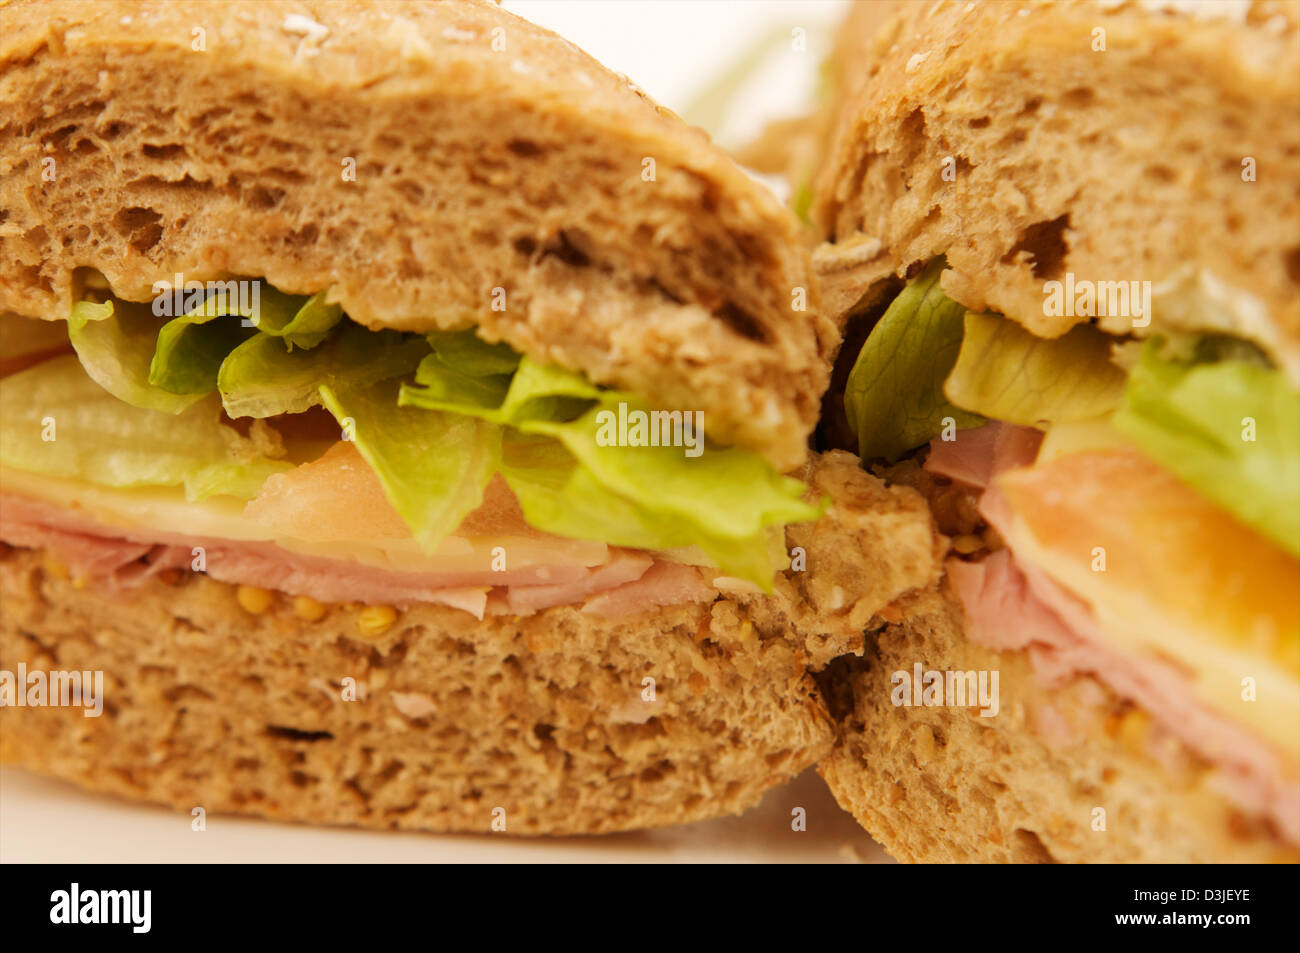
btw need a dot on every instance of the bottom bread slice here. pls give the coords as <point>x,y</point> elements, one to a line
<point>1073,775</point>
<point>559,722</point>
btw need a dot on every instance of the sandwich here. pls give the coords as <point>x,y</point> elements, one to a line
<point>405,424</point>
<point>1062,241</point>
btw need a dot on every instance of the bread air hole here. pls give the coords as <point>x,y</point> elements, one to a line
<point>1026,848</point>
<point>565,247</point>
<point>1291,261</point>
<point>295,734</point>
<point>525,149</point>
<point>742,322</point>
<point>1044,243</point>
<point>141,227</point>
<point>164,151</point>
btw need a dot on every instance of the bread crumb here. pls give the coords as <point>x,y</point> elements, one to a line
<point>413,704</point>
<point>843,255</point>
<point>305,26</point>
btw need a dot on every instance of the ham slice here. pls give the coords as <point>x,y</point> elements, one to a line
<point>976,456</point>
<point>664,584</point>
<point>623,568</point>
<point>121,557</point>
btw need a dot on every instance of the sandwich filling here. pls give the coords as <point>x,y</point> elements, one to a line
<point>270,441</point>
<point>1126,510</point>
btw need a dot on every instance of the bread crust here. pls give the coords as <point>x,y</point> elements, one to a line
<point>499,177</point>
<point>543,716</point>
<point>996,134</point>
<point>945,785</point>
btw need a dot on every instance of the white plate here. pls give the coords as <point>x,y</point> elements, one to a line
<point>45,821</point>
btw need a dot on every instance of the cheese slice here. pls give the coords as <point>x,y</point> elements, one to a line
<point>165,510</point>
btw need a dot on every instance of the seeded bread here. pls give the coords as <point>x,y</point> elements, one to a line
<point>433,165</point>
<point>1072,774</point>
<point>209,705</point>
<point>1003,136</point>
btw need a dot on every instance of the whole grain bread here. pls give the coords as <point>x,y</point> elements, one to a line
<point>432,165</point>
<point>1071,774</point>
<point>545,717</point>
<point>1113,140</point>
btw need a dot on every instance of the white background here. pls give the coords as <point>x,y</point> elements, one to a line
<point>672,49</point>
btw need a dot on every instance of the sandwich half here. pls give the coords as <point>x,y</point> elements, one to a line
<point>1063,242</point>
<point>405,424</point>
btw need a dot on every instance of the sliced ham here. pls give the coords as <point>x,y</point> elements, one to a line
<point>85,555</point>
<point>120,557</point>
<point>977,455</point>
<point>623,568</point>
<point>664,584</point>
<point>1000,612</point>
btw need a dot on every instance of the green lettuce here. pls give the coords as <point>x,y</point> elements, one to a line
<point>434,466</point>
<point>115,342</point>
<point>467,353</point>
<point>568,482</point>
<point>262,378</point>
<point>559,496</point>
<point>56,420</point>
<point>530,392</point>
<point>191,348</point>
<point>1230,429</point>
<point>894,398</point>
<point>302,324</point>
<point>1005,373</point>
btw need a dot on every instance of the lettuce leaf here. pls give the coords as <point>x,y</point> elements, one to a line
<point>1005,373</point>
<point>559,496</point>
<point>469,354</point>
<point>261,378</point>
<point>56,420</point>
<point>190,348</point>
<point>534,392</point>
<point>730,493</point>
<point>569,482</point>
<point>115,342</point>
<point>1230,429</point>
<point>433,466</point>
<point>306,327</point>
<point>894,398</point>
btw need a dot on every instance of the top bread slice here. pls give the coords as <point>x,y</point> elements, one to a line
<point>1114,141</point>
<point>431,165</point>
